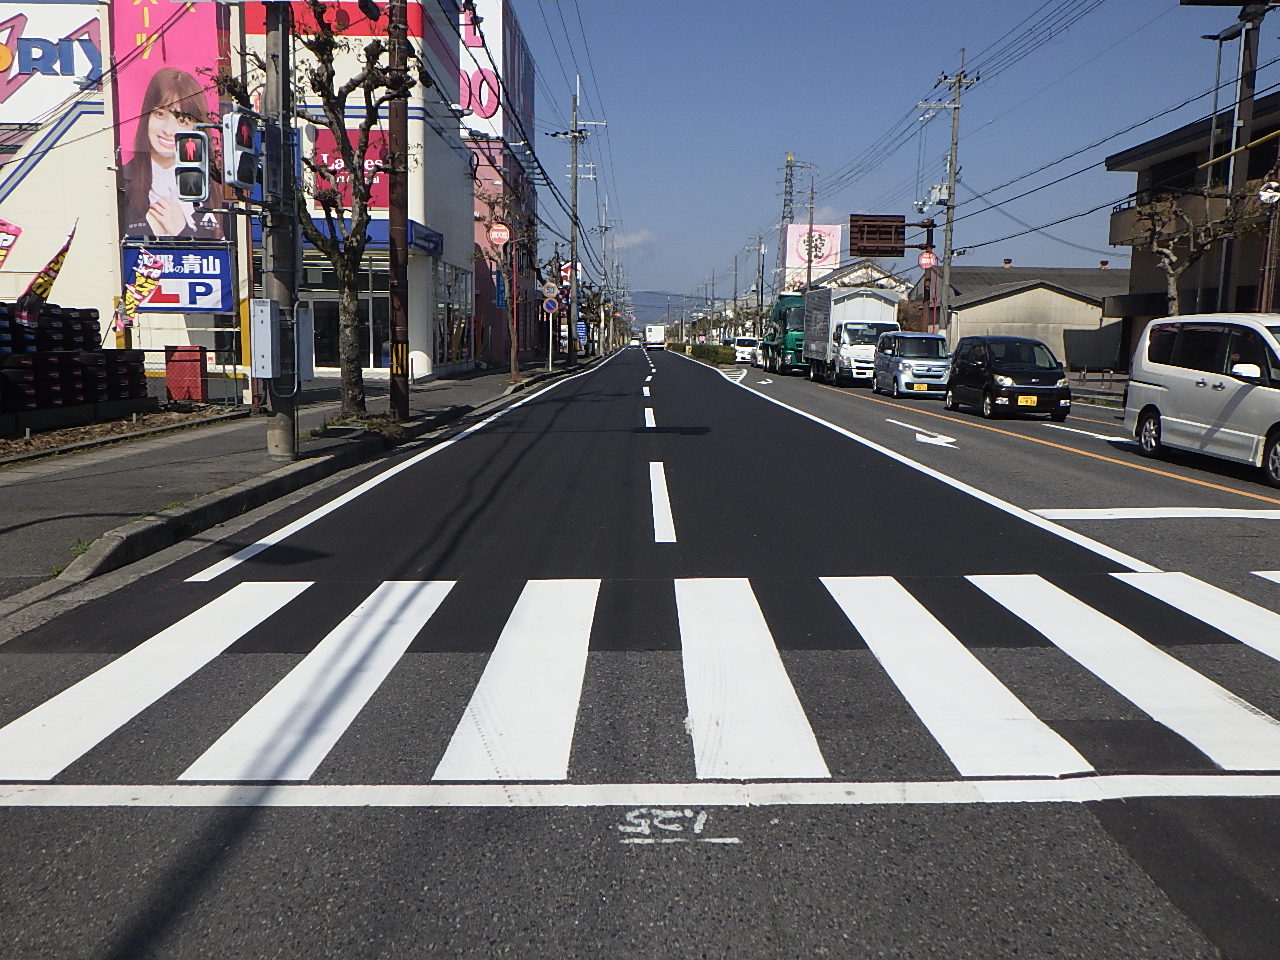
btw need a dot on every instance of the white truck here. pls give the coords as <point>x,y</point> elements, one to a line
<point>655,336</point>
<point>841,328</point>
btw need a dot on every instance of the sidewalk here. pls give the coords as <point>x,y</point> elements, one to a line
<point>69,517</point>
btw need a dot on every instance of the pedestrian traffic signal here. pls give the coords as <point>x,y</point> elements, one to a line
<point>240,150</point>
<point>192,167</point>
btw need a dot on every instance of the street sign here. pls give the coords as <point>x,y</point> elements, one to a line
<point>499,233</point>
<point>550,290</point>
<point>551,305</point>
<point>927,260</point>
<point>876,235</point>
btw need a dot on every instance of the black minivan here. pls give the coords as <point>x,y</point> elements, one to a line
<point>1007,375</point>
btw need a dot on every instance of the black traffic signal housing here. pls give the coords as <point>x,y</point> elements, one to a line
<point>191,170</point>
<point>240,145</point>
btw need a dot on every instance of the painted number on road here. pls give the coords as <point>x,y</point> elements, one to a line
<point>654,825</point>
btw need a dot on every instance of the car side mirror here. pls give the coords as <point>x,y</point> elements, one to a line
<point>1246,371</point>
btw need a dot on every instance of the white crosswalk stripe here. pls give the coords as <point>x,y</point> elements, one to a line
<point>287,733</point>
<point>984,729</point>
<point>743,714</point>
<point>519,723</point>
<point>41,743</point>
<point>744,717</point>
<point>1231,732</point>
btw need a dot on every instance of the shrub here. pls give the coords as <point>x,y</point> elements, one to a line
<point>712,353</point>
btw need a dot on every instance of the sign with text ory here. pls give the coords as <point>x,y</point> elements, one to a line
<point>194,280</point>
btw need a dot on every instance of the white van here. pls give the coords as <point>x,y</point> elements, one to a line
<point>1209,383</point>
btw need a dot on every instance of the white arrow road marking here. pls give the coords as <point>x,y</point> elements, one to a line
<point>764,381</point>
<point>1086,433</point>
<point>926,436</point>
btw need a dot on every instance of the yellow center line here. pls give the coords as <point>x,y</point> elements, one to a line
<point>1058,446</point>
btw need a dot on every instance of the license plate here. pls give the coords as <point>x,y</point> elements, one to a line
<point>919,386</point>
<point>1026,401</point>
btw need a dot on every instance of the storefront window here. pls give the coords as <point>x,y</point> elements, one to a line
<point>453,313</point>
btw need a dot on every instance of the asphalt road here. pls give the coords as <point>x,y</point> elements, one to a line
<point>657,664</point>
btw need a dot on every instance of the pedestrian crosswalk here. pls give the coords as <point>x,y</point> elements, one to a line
<point>744,701</point>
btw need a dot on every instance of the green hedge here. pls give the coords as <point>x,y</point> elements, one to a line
<point>711,353</point>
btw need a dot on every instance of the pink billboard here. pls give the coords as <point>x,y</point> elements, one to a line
<point>167,55</point>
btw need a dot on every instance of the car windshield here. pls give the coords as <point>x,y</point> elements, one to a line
<point>745,342</point>
<point>865,333</point>
<point>1026,354</point>
<point>1275,332</point>
<point>794,318</point>
<point>922,347</point>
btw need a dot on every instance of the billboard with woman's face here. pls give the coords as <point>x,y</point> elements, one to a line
<point>166,56</point>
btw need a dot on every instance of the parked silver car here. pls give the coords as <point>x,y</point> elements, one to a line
<point>1209,383</point>
<point>911,364</point>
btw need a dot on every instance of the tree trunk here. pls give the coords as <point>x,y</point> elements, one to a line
<point>350,356</point>
<point>1171,290</point>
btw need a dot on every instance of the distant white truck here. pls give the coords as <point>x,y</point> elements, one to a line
<point>655,336</point>
<point>841,328</point>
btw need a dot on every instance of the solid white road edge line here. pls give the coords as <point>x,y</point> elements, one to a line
<point>664,523</point>
<point>1048,526</point>
<point>1156,513</point>
<point>253,549</point>
<point>821,793</point>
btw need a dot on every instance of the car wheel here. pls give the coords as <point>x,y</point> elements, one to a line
<point>811,372</point>
<point>949,401</point>
<point>1058,416</point>
<point>989,409</point>
<point>894,391</point>
<point>1149,434</point>
<point>1271,459</point>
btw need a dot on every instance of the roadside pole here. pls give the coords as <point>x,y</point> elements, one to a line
<point>398,216</point>
<point>280,281</point>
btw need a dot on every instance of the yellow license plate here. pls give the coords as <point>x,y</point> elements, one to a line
<point>919,386</point>
<point>1026,401</point>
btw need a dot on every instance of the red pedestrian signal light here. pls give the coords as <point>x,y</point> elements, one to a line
<point>191,167</point>
<point>240,147</point>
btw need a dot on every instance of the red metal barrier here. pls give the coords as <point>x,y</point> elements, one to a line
<point>184,373</point>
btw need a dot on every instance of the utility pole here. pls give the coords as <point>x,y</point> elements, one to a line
<point>280,281</point>
<point>735,292</point>
<point>575,135</point>
<point>1241,133</point>
<point>958,82</point>
<point>398,214</point>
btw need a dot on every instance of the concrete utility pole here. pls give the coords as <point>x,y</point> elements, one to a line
<point>1241,133</point>
<point>575,135</point>
<point>957,82</point>
<point>398,215</point>
<point>280,281</point>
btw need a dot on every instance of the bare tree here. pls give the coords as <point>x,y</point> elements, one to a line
<point>343,187</point>
<point>1167,226</point>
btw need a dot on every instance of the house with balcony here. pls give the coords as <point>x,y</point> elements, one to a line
<point>1176,166</point>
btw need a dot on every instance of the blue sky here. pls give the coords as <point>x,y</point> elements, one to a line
<point>704,100</point>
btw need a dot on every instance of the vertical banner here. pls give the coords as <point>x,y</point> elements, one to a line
<point>29,304</point>
<point>167,55</point>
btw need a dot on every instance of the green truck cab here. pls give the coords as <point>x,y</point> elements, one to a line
<point>782,347</point>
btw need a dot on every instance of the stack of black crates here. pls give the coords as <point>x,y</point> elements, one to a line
<point>59,362</point>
